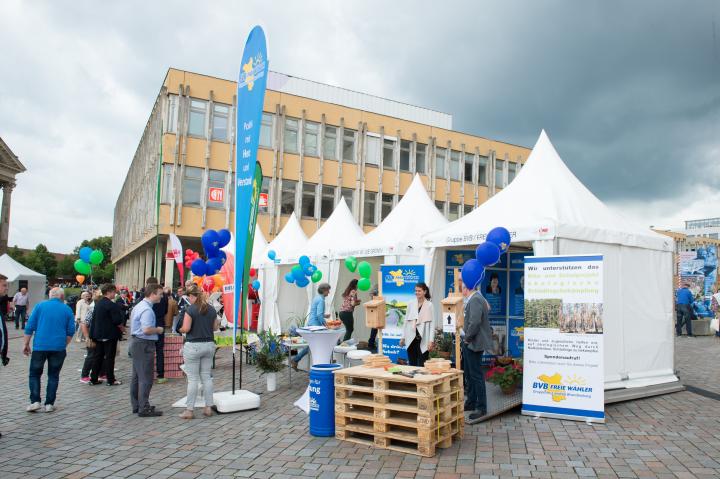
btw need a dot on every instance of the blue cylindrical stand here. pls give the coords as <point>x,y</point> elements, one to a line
<point>322,399</point>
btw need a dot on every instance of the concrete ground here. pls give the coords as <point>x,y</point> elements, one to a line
<point>94,434</point>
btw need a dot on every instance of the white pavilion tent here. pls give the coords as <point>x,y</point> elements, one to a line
<point>16,273</point>
<point>548,209</point>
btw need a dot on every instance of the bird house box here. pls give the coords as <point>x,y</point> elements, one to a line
<point>452,312</point>
<point>375,313</point>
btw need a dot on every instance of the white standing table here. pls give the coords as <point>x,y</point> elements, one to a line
<point>321,343</point>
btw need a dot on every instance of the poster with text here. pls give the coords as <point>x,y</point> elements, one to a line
<point>494,289</point>
<point>563,338</point>
<point>699,269</point>
<point>398,289</point>
<point>517,293</point>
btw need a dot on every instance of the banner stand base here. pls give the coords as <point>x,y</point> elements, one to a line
<point>242,400</point>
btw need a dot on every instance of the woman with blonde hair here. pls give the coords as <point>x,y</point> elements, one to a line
<point>198,324</point>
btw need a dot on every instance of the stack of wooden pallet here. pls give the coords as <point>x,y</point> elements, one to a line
<point>413,415</point>
<point>376,361</point>
<point>437,365</point>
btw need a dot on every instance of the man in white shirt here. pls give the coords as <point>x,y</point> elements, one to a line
<point>21,300</point>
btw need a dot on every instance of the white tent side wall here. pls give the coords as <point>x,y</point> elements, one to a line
<point>36,289</point>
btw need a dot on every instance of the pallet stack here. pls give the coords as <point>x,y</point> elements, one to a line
<point>376,361</point>
<point>412,415</point>
<point>173,355</point>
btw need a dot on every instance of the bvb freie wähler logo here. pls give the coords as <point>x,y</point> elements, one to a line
<point>558,388</point>
<point>252,70</point>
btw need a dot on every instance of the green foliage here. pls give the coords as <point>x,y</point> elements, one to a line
<point>39,260</point>
<point>505,372</point>
<point>65,266</point>
<point>269,353</point>
<point>443,343</point>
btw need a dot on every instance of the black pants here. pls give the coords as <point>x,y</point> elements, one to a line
<point>415,355</point>
<point>88,364</point>
<point>104,359</point>
<point>684,314</point>
<point>372,340</point>
<point>160,356</point>
<point>474,380</point>
<point>347,318</point>
<point>20,315</point>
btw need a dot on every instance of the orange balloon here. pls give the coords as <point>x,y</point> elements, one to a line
<point>219,280</point>
<point>198,280</point>
<point>80,278</point>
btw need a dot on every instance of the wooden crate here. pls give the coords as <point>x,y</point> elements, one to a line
<point>411,415</point>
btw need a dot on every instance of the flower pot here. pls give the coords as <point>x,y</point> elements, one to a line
<point>509,389</point>
<point>271,382</point>
<point>444,354</point>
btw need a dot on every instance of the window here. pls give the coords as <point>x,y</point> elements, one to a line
<point>198,109</point>
<point>420,152</point>
<point>310,145</point>
<point>307,207</point>
<point>482,170</point>
<point>455,165</point>
<point>373,150</point>
<point>287,197</point>
<point>265,189</point>
<point>172,114</point>
<point>440,162</point>
<point>512,171</point>
<point>499,165</point>
<point>404,155</point>
<point>266,130</point>
<point>349,195</point>
<point>386,207</point>
<point>349,146</point>
<point>220,122</point>
<point>369,212</point>
<point>216,189</point>
<point>469,167</point>
<point>327,201</point>
<point>453,211</point>
<point>192,184</point>
<point>290,138</point>
<point>330,143</point>
<point>440,205</point>
<point>389,154</point>
<point>167,187</point>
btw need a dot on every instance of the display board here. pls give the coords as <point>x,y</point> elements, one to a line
<point>699,269</point>
<point>563,338</point>
<point>398,289</point>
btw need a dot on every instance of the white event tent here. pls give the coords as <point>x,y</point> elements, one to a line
<point>548,209</point>
<point>16,272</point>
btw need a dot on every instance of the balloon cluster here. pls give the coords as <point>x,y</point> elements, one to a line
<point>364,270</point>
<point>88,258</point>
<point>190,256</point>
<point>254,284</point>
<point>212,241</point>
<point>300,273</point>
<point>486,254</point>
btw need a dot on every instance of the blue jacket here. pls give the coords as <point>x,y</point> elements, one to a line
<point>53,322</point>
<point>684,296</point>
<point>317,311</point>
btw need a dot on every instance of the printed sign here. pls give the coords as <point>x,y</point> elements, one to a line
<point>563,338</point>
<point>263,200</point>
<point>449,322</point>
<point>216,195</point>
<point>398,289</point>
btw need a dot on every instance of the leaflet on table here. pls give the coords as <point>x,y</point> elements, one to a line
<point>398,289</point>
<point>314,328</point>
<point>563,338</point>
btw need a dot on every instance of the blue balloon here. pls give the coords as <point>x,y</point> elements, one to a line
<point>290,278</point>
<point>308,269</point>
<point>198,267</point>
<point>85,253</point>
<point>221,256</point>
<point>304,260</point>
<point>224,237</point>
<point>302,282</point>
<point>471,273</point>
<point>213,265</point>
<point>298,272</point>
<point>500,236</point>
<point>487,253</point>
<point>271,254</point>
<point>211,242</point>
<point>256,285</point>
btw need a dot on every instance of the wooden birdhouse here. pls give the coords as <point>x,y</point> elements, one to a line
<point>375,313</point>
<point>452,312</point>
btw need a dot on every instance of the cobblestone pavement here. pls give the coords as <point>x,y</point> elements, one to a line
<point>93,434</point>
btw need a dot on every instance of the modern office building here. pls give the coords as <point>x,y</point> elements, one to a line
<point>318,143</point>
<point>706,228</point>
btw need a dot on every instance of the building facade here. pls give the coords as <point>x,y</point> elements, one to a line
<point>318,144</point>
<point>9,167</point>
<point>705,228</point>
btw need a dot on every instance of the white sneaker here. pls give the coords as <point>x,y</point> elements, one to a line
<point>49,408</point>
<point>34,407</point>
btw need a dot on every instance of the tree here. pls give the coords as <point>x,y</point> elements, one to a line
<point>17,254</point>
<point>41,261</point>
<point>65,266</point>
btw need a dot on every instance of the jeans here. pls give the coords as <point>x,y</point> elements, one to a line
<point>303,352</point>
<point>104,360</point>
<point>55,360</point>
<point>684,314</point>
<point>474,380</point>
<point>198,364</point>
<point>372,340</point>
<point>160,356</point>
<point>347,318</point>
<point>20,312</point>
<point>142,352</point>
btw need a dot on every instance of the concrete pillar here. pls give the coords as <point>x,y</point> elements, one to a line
<point>5,217</point>
<point>149,253</point>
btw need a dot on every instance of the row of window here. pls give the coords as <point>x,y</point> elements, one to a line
<point>452,164</point>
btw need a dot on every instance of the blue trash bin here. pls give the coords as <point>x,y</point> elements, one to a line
<point>322,399</point>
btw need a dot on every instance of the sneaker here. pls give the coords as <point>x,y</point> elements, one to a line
<point>85,380</point>
<point>162,380</point>
<point>187,414</point>
<point>34,407</point>
<point>49,408</point>
<point>150,413</point>
<point>102,378</point>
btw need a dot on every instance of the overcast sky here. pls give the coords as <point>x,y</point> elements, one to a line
<point>629,92</point>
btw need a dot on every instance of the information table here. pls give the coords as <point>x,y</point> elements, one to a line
<point>321,343</point>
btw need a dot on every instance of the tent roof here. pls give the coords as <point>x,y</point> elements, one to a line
<point>340,227</point>
<point>546,201</point>
<point>414,215</point>
<point>289,244</point>
<point>259,247</point>
<point>14,270</point>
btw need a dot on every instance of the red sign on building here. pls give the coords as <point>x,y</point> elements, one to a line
<point>216,195</point>
<point>263,200</point>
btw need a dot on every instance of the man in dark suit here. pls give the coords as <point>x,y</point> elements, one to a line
<point>105,330</point>
<point>478,338</point>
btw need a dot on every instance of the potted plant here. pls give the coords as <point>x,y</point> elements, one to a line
<point>269,355</point>
<point>505,372</point>
<point>443,345</point>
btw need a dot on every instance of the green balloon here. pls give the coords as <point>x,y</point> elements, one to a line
<point>82,267</point>
<point>316,276</point>
<point>351,263</point>
<point>364,269</point>
<point>96,257</point>
<point>364,284</point>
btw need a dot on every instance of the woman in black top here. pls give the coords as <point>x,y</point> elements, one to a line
<point>199,322</point>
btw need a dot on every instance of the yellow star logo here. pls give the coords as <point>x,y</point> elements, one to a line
<point>249,78</point>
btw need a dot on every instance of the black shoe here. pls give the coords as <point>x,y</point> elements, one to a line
<point>468,407</point>
<point>477,415</point>
<point>135,411</point>
<point>151,412</point>
<point>94,383</point>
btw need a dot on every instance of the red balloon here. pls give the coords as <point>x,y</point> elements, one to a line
<point>253,272</point>
<point>208,284</point>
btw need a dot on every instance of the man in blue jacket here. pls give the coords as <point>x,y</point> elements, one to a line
<point>683,310</point>
<point>52,323</point>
